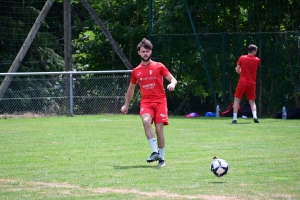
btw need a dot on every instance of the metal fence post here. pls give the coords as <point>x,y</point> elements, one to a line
<point>71,94</point>
<point>201,53</point>
<point>224,71</point>
<point>298,47</point>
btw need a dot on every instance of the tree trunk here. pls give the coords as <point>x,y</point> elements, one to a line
<point>68,53</point>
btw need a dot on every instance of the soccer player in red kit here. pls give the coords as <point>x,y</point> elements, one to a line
<point>247,67</point>
<point>153,106</point>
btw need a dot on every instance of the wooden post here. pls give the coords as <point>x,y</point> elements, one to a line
<point>68,54</point>
<point>27,43</point>
<point>67,35</point>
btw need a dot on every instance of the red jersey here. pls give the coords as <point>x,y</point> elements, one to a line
<point>249,65</point>
<point>150,78</point>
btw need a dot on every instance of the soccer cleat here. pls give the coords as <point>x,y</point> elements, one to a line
<point>161,163</point>
<point>154,157</point>
<point>234,121</point>
<point>255,120</point>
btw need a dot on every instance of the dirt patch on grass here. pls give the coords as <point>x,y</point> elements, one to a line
<point>24,115</point>
<point>65,189</point>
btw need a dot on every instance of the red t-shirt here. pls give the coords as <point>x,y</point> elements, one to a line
<point>150,78</point>
<point>249,65</point>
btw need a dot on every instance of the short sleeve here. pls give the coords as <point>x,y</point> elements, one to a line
<point>165,71</point>
<point>133,78</point>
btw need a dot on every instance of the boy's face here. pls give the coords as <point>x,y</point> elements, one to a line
<point>145,54</point>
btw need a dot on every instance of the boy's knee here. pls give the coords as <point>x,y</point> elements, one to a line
<point>147,120</point>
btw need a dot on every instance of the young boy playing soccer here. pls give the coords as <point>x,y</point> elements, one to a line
<point>247,67</point>
<point>153,106</point>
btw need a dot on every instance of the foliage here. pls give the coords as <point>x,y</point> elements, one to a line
<point>216,25</point>
<point>125,22</point>
<point>16,22</point>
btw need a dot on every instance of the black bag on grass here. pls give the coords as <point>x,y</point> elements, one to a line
<point>246,111</point>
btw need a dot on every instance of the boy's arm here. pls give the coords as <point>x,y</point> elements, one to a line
<point>173,82</point>
<point>238,69</point>
<point>128,97</point>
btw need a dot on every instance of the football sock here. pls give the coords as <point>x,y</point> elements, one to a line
<point>234,116</point>
<point>152,143</point>
<point>162,153</point>
<point>254,114</point>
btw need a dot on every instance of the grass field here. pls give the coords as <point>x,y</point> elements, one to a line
<point>104,157</point>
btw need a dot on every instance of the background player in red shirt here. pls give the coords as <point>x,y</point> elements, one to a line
<point>153,106</point>
<point>247,67</point>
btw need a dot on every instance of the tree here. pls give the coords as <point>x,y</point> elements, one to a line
<point>122,19</point>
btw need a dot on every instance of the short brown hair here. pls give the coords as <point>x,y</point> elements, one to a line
<point>252,48</point>
<point>145,43</point>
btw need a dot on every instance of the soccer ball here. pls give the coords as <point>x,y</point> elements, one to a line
<point>219,167</point>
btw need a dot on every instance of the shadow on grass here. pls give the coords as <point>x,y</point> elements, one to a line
<point>239,123</point>
<point>135,167</point>
<point>217,182</point>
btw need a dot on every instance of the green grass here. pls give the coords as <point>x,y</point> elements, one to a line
<point>104,157</point>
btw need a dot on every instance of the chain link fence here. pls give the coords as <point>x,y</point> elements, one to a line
<point>50,94</point>
<point>278,77</point>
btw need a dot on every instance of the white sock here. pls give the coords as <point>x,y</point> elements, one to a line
<point>162,153</point>
<point>152,143</point>
<point>254,114</point>
<point>234,116</point>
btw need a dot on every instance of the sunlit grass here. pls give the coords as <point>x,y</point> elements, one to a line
<point>104,156</point>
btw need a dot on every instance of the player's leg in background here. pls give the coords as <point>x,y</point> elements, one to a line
<point>251,96</point>
<point>236,104</point>
<point>253,108</point>
<point>238,95</point>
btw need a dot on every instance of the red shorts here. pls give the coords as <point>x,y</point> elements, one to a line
<point>158,112</point>
<point>245,88</point>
